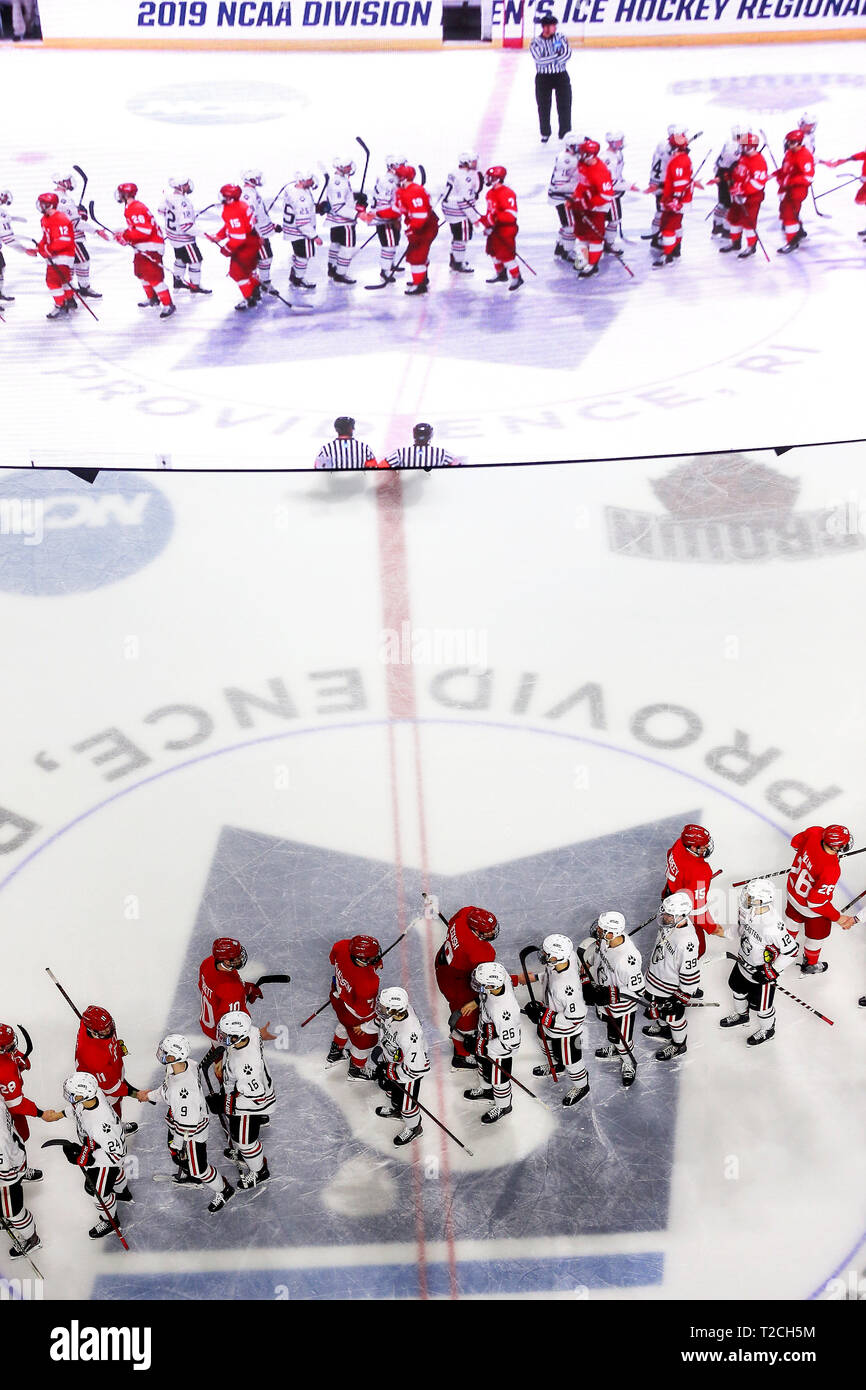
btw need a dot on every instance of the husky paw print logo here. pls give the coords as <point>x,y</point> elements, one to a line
<point>184,1093</point>
<point>632,960</point>
<point>106,1129</point>
<point>691,947</point>
<point>413,1037</point>
<point>569,989</point>
<point>506,1016</point>
<point>248,1071</point>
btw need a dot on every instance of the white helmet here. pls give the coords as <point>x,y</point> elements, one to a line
<point>737,129</point>
<point>5,195</point>
<point>63,181</point>
<point>174,1048</point>
<point>467,160</point>
<point>488,977</point>
<point>177,181</point>
<point>393,1002</point>
<point>80,1086</point>
<point>304,176</point>
<point>572,141</point>
<point>807,120</point>
<point>614,137</point>
<point>393,161</point>
<point>343,165</point>
<point>234,1027</point>
<point>757,892</point>
<point>611,924</point>
<point>679,906</point>
<point>556,948</point>
<point>254,176</point>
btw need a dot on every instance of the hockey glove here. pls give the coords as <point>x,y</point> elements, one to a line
<point>361,200</point>
<point>71,1151</point>
<point>214,1103</point>
<point>251,992</point>
<point>534,1011</point>
<point>770,972</point>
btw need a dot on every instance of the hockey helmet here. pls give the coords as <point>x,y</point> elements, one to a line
<point>556,949</point>
<point>482,923</point>
<point>230,192</point>
<point>234,1027</point>
<point>98,1021</point>
<point>181,183</point>
<point>173,1048</point>
<point>758,892</point>
<point>793,139</point>
<point>393,1002</point>
<point>698,840</point>
<point>253,176</point>
<point>467,160</point>
<point>837,837</point>
<point>47,202</point>
<point>588,148</point>
<point>495,174</point>
<point>405,172</point>
<point>124,192</point>
<point>365,950</point>
<point>64,181</point>
<point>489,978</point>
<point>422,434</point>
<point>8,1039</point>
<point>676,909</point>
<point>611,924</point>
<point>80,1086</point>
<point>227,951</point>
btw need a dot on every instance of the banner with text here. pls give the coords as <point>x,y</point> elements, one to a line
<point>624,21</point>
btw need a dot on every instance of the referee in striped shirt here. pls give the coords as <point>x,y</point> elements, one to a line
<point>551,53</point>
<point>421,453</point>
<point>345,451</point>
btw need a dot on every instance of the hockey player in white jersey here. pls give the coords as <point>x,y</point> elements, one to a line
<point>808,124</point>
<point>462,189</point>
<point>402,1063</point>
<point>341,217</point>
<point>18,1221</point>
<point>616,983</point>
<point>673,975</point>
<point>7,238</point>
<point>100,1150</point>
<point>560,192</point>
<point>248,1094</point>
<point>614,158</point>
<point>765,950</point>
<point>497,1038</point>
<point>187,1118</point>
<point>264,224</point>
<point>386,216</point>
<point>726,159</point>
<point>559,1017</point>
<point>299,226</point>
<point>179,216</point>
<point>77,214</point>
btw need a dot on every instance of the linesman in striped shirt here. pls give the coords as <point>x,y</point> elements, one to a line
<point>421,453</point>
<point>551,52</point>
<point>345,451</point>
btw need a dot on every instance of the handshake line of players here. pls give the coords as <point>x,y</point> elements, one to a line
<point>585,189</point>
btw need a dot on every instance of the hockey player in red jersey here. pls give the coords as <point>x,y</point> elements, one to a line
<point>592,198</point>
<point>811,880</point>
<point>860,195</point>
<point>688,871</point>
<point>143,234</point>
<point>421,224</point>
<point>676,191</point>
<point>221,987</point>
<point>238,239</point>
<point>12,1063</point>
<point>357,961</point>
<point>57,247</point>
<point>795,175</point>
<point>99,1051</point>
<point>500,219</point>
<point>468,942</point>
<point>748,182</point>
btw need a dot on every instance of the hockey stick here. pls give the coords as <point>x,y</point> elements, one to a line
<point>273,980</point>
<point>4,1225</point>
<point>846,854</point>
<point>844,911</point>
<point>795,997</point>
<point>59,1143</point>
<point>380,958</point>
<point>110,236</point>
<point>438,1122</point>
<point>77,1012</point>
<point>81,174</point>
<point>423,173</point>
<point>68,284</point>
<point>29,1040</point>
<point>528,951</point>
<point>848,181</point>
<point>270,204</point>
<point>366,150</point>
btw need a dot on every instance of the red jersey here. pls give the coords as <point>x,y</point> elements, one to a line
<point>11,1087</point>
<point>594,191</point>
<point>103,1058</point>
<point>58,238</point>
<point>677,187</point>
<point>142,228</point>
<point>238,225</point>
<point>688,873</point>
<point>222,992</point>
<point>461,951</point>
<point>796,172</point>
<point>749,175</point>
<point>414,203</point>
<point>355,987</point>
<point>813,876</point>
<point>501,207</point>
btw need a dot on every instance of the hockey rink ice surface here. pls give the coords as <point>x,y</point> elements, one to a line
<point>202,737</point>
<point>561,369</point>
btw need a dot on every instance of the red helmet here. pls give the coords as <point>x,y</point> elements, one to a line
<point>679,139</point>
<point>97,1021</point>
<point>698,840</point>
<point>47,201</point>
<point>364,950</point>
<point>588,147</point>
<point>837,837</point>
<point>8,1040</point>
<point>124,191</point>
<point>405,172</point>
<point>228,951</point>
<point>495,174</point>
<point>749,140</point>
<point>482,923</point>
<point>230,192</point>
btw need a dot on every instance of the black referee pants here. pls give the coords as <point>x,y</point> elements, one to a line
<point>548,84</point>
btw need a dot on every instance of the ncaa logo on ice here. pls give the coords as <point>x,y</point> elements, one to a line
<point>59,535</point>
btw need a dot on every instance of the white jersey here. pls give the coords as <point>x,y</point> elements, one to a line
<point>809,140</point>
<point>384,190</point>
<point>101,1131</point>
<point>615,161</point>
<point>402,1042</point>
<point>246,1078</point>
<point>462,188</point>
<point>299,213</point>
<point>759,930</point>
<point>13,1159</point>
<point>563,997</point>
<point>179,215</point>
<point>673,967</point>
<point>499,1022</point>
<point>564,178</point>
<point>728,155</point>
<point>6,233</point>
<point>662,155</point>
<point>68,204</point>
<point>182,1092</point>
<point>264,223</point>
<point>619,969</point>
<point>343,212</point>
